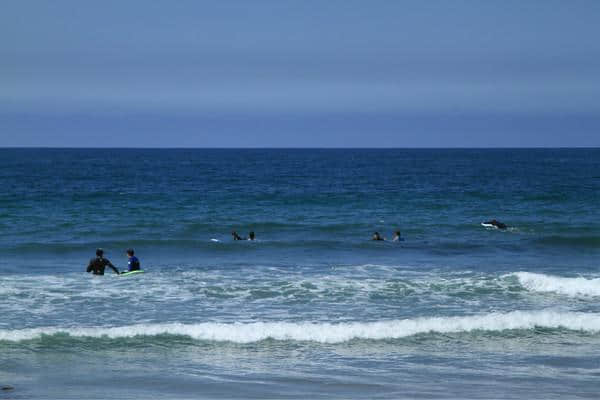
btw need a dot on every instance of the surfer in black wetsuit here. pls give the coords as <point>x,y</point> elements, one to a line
<point>377,236</point>
<point>397,237</point>
<point>497,224</point>
<point>99,263</point>
<point>236,236</point>
<point>251,236</point>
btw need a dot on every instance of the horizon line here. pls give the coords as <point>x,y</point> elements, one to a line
<point>299,148</point>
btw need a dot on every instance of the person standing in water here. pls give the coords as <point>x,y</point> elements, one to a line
<point>133,263</point>
<point>397,237</point>
<point>377,236</point>
<point>99,263</point>
<point>236,236</point>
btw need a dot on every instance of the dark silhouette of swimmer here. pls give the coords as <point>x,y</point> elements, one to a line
<point>236,236</point>
<point>99,263</point>
<point>397,237</point>
<point>251,236</point>
<point>133,263</point>
<point>377,236</point>
<point>497,224</point>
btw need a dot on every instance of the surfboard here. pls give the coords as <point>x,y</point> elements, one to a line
<point>488,225</point>
<point>127,273</point>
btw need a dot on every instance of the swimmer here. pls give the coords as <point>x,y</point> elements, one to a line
<point>133,263</point>
<point>397,237</point>
<point>377,236</point>
<point>251,236</point>
<point>99,263</point>
<point>236,236</point>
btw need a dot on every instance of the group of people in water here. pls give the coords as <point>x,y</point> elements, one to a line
<point>395,238</point>
<point>98,264</point>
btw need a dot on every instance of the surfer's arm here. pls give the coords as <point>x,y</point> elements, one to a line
<point>89,267</point>
<point>113,268</point>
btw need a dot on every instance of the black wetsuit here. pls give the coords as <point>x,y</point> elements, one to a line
<point>497,224</point>
<point>98,264</point>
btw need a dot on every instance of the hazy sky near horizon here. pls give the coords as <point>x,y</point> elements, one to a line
<point>299,73</point>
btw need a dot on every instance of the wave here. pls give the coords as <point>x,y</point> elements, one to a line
<point>327,332</point>
<point>568,286</point>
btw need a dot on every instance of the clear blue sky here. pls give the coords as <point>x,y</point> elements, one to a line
<point>299,73</point>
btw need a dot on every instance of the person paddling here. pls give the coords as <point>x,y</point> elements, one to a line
<point>99,263</point>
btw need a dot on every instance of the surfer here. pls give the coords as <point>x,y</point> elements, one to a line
<point>236,236</point>
<point>251,236</point>
<point>377,236</point>
<point>133,263</point>
<point>99,263</point>
<point>497,224</point>
<point>397,237</point>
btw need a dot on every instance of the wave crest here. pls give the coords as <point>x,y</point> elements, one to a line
<point>327,332</point>
<point>567,286</point>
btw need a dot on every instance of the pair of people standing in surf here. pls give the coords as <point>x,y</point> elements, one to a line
<point>98,264</point>
<point>397,238</point>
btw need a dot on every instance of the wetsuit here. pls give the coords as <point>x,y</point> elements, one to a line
<point>500,225</point>
<point>497,224</point>
<point>133,263</point>
<point>98,264</point>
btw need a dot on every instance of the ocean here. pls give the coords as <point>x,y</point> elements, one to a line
<point>312,308</point>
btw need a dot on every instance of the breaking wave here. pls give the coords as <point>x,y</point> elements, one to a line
<point>568,286</point>
<point>327,332</point>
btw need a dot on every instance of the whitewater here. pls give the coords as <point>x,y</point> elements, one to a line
<point>329,332</point>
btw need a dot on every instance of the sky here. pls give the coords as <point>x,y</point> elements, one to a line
<point>299,73</point>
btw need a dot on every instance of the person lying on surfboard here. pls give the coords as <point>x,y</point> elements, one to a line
<point>497,224</point>
<point>133,263</point>
<point>99,263</point>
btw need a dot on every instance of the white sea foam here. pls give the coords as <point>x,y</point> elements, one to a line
<point>329,332</point>
<point>567,286</point>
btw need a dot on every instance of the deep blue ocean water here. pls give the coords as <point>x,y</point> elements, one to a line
<point>312,308</point>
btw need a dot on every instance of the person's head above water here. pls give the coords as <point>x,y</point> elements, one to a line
<point>251,236</point>
<point>377,236</point>
<point>235,236</point>
<point>129,252</point>
<point>99,252</point>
